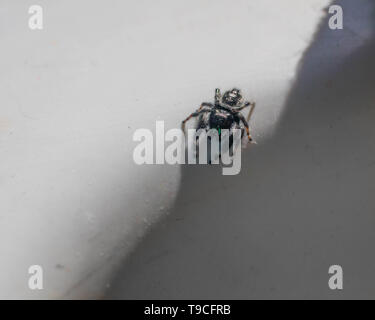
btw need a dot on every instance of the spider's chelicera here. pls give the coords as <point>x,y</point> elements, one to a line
<point>224,113</point>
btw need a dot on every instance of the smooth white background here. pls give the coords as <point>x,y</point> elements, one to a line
<point>72,200</point>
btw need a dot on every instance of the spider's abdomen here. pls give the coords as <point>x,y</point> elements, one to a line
<point>221,119</point>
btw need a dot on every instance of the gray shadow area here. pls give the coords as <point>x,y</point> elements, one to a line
<point>303,201</point>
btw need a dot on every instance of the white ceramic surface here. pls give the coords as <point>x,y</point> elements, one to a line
<point>72,94</point>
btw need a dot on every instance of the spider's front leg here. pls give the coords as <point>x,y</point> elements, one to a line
<point>245,105</point>
<point>205,107</point>
<point>205,104</point>
<point>242,118</point>
<point>252,107</point>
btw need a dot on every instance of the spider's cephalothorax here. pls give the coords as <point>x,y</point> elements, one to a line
<point>224,113</point>
<point>232,98</point>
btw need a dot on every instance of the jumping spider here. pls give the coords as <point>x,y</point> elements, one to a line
<point>224,113</point>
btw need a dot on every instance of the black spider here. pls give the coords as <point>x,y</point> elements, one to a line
<point>224,113</point>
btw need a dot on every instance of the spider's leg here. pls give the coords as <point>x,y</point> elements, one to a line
<point>205,104</point>
<point>245,105</point>
<point>242,118</point>
<point>252,104</point>
<point>200,111</point>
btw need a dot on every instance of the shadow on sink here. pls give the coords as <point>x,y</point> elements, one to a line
<point>304,200</point>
